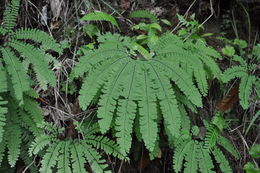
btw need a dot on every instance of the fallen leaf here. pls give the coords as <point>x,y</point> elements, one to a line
<point>229,100</point>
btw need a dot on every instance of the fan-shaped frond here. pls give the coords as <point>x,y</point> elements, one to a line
<point>127,85</point>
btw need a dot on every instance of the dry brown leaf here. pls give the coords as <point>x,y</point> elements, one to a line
<point>229,100</point>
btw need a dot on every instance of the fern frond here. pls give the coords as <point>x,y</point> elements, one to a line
<point>245,88</point>
<point>3,112</point>
<point>191,164</point>
<point>147,108</point>
<point>77,159</point>
<point>112,90</point>
<point>64,158</point>
<point>2,31</point>
<point>101,16</point>
<point>212,136</point>
<point>2,150</point>
<point>50,158</point>
<point>106,144</point>
<point>225,143</point>
<point>182,80</point>
<point>144,14</point>
<point>204,159</point>
<point>13,142</point>
<point>3,79</point>
<point>38,36</point>
<point>17,72</point>
<point>37,59</point>
<point>180,153</point>
<point>235,71</point>
<point>94,158</point>
<point>39,143</point>
<point>168,103</point>
<point>221,160</point>
<point>130,87</point>
<point>10,15</point>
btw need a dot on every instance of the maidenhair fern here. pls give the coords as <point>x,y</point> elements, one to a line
<point>17,119</point>
<point>198,155</point>
<point>247,79</point>
<point>20,50</point>
<point>131,86</point>
<point>16,52</point>
<point>72,154</point>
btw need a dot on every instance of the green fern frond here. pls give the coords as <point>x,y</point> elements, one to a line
<point>221,160</point>
<point>2,150</point>
<point>233,72</point>
<point>101,16</point>
<point>245,88</point>
<point>2,31</point>
<point>17,72</point>
<point>64,158</point>
<point>47,43</point>
<point>77,157</point>
<point>3,78</point>
<point>196,155</point>
<point>191,164</point>
<point>50,158</point>
<point>204,159</point>
<point>37,59</point>
<point>3,112</point>
<point>13,142</point>
<point>144,14</point>
<point>94,158</point>
<point>106,144</point>
<point>147,109</point>
<point>39,143</point>
<point>224,142</point>
<point>180,153</point>
<point>10,15</point>
<point>212,136</point>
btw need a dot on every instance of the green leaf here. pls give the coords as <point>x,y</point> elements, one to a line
<point>228,50</point>
<point>101,16</point>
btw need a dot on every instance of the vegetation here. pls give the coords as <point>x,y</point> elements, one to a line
<point>148,88</point>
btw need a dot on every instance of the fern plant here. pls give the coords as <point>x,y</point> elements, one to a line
<point>134,88</point>
<point>198,151</point>
<point>15,122</point>
<point>71,155</point>
<point>246,72</point>
<point>20,50</point>
<point>17,54</point>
